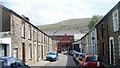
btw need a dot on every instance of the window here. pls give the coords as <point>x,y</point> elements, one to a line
<point>29,32</point>
<point>39,34</point>
<point>90,59</point>
<point>93,38</point>
<point>23,29</point>
<point>3,50</point>
<point>119,46</point>
<point>13,27</point>
<point>45,40</point>
<point>102,31</point>
<point>48,40</point>
<point>44,50</point>
<point>34,35</point>
<point>41,37</point>
<point>97,33</point>
<point>115,21</point>
<point>30,51</point>
<point>38,51</point>
<point>93,49</point>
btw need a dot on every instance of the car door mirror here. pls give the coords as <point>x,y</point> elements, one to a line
<point>27,66</point>
<point>13,65</point>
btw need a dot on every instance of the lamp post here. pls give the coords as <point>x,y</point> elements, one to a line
<point>54,39</point>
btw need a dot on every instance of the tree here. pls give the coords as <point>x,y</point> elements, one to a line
<point>94,20</point>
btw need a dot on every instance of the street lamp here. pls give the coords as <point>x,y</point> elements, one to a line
<point>54,35</point>
<point>54,38</point>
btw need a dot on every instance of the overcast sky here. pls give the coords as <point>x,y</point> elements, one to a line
<point>42,12</point>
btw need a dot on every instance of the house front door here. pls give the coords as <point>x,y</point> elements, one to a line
<point>3,49</point>
<point>111,51</point>
<point>23,52</point>
<point>42,51</point>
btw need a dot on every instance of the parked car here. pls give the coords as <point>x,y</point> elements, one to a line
<point>75,55</point>
<point>52,56</point>
<point>72,52</point>
<point>91,62</point>
<point>11,62</point>
<point>64,52</point>
<point>80,57</point>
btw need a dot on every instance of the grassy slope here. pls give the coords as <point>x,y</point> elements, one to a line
<point>71,24</point>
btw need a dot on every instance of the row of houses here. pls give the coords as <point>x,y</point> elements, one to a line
<point>21,39</point>
<point>104,38</point>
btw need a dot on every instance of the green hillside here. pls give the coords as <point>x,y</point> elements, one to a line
<point>71,24</point>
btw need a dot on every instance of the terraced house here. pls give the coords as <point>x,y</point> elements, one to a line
<point>21,39</point>
<point>109,36</point>
<point>87,44</point>
<point>104,38</point>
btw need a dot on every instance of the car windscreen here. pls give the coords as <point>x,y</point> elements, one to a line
<point>3,63</point>
<point>90,59</point>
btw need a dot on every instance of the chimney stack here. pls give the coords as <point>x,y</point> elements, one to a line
<point>26,18</point>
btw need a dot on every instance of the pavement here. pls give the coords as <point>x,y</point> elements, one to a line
<point>40,63</point>
<point>108,66</point>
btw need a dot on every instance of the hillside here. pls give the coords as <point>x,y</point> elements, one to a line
<point>69,25</point>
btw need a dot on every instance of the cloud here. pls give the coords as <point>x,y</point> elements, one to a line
<point>52,11</point>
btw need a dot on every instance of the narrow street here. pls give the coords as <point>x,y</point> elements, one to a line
<point>64,61</point>
<point>32,32</point>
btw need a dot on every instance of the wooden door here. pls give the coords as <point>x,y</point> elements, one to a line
<point>23,52</point>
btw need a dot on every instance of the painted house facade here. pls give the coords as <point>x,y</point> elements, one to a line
<point>93,41</point>
<point>21,39</point>
<point>84,44</point>
<point>88,43</point>
<point>77,44</point>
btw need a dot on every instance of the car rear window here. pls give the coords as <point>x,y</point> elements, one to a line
<point>51,53</point>
<point>81,55</point>
<point>90,59</point>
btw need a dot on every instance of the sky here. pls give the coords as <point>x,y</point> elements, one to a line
<point>42,12</point>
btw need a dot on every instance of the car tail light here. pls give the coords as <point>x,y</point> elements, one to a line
<point>98,64</point>
<point>85,63</point>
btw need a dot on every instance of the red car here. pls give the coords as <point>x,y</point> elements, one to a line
<point>91,62</point>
